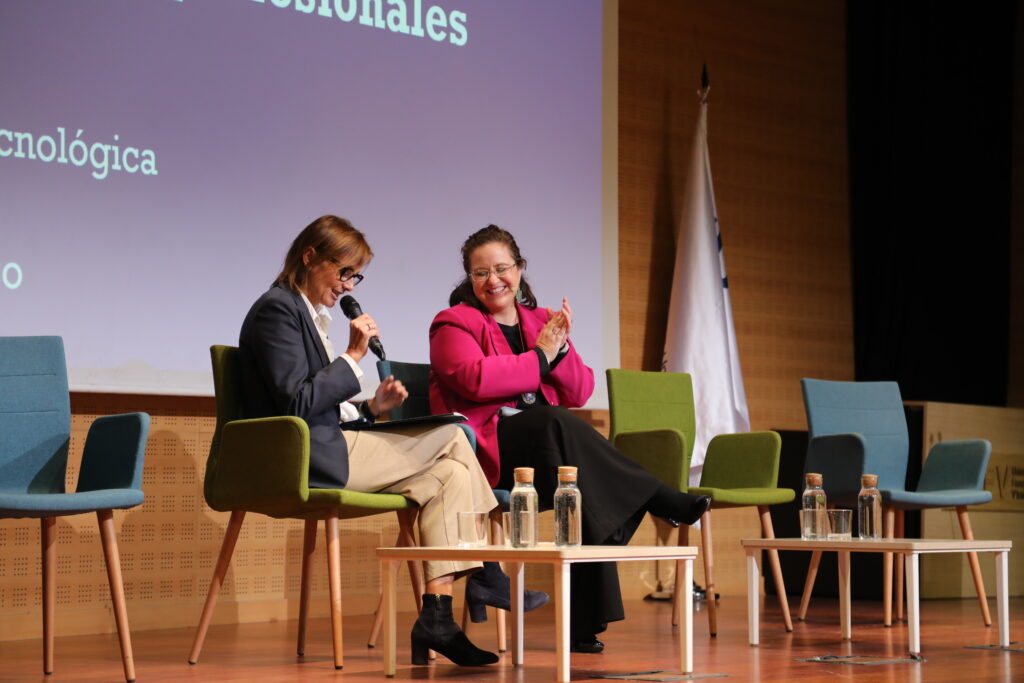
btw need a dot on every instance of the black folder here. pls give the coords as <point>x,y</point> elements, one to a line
<point>425,420</point>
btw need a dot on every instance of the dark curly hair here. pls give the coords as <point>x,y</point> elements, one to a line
<point>463,292</point>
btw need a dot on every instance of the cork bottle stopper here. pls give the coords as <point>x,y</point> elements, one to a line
<point>869,481</point>
<point>523,475</point>
<point>813,479</point>
<point>567,474</point>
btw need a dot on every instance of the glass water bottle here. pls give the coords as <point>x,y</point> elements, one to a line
<point>814,525</point>
<point>869,508</point>
<point>523,509</point>
<point>567,504</point>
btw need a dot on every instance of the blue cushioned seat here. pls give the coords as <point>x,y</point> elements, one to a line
<point>15,505</point>
<point>504,498</point>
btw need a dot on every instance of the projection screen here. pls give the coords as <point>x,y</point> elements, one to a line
<point>158,156</point>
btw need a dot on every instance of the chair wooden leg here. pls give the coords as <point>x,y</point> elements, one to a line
<point>890,524</point>
<point>812,574</point>
<point>406,539</point>
<point>48,538</point>
<point>677,602</point>
<point>972,558</point>
<point>334,585</point>
<point>464,625</point>
<point>308,547</point>
<point>108,536</point>
<point>227,547</point>
<point>898,567</point>
<point>709,576</point>
<point>768,531</point>
<point>498,538</point>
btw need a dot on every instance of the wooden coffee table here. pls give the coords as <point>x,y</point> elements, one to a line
<point>911,549</point>
<point>560,559</point>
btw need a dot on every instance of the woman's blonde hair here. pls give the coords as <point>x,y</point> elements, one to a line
<point>333,239</point>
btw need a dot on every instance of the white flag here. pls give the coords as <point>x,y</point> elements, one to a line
<point>701,339</point>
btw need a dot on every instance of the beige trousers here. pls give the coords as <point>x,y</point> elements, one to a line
<point>436,468</point>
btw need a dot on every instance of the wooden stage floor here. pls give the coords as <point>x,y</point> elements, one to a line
<point>644,642</point>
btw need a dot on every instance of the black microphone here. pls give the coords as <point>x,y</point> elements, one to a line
<point>350,307</point>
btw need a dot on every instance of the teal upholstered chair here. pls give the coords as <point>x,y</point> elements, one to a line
<point>416,378</point>
<point>262,465</point>
<point>860,428</point>
<point>653,422</point>
<point>35,431</point>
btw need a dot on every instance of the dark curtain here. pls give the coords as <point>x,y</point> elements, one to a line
<point>930,101</point>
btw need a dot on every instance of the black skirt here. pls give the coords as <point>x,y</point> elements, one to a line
<point>614,490</point>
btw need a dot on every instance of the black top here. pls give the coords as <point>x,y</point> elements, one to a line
<point>515,341</point>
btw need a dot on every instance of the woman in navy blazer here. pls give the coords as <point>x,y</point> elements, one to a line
<point>287,366</point>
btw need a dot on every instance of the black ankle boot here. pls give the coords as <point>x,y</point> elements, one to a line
<point>490,587</point>
<point>436,630</point>
<point>676,507</point>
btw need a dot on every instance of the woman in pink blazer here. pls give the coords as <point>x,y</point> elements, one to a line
<point>495,352</point>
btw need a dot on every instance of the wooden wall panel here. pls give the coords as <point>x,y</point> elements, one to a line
<point>777,138</point>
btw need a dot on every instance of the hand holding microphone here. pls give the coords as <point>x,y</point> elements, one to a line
<point>363,332</point>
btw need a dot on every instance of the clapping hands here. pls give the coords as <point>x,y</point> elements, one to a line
<point>555,333</point>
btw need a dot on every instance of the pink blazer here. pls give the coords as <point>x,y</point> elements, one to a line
<point>474,372</point>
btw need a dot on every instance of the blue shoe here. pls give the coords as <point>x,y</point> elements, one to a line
<point>491,587</point>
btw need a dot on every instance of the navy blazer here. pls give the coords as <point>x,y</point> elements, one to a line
<point>284,370</point>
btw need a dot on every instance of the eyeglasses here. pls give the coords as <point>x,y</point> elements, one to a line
<point>348,274</point>
<point>481,274</point>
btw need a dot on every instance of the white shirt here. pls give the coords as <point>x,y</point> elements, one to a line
<point>321,320</point>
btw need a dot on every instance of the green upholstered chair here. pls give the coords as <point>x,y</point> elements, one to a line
<point>35,432</point>
<point>416,378</point>
<point>262,465</point>
<point>742,470</point>
<point>653,422</point>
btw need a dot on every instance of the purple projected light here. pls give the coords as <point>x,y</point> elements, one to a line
<point>157,158</point>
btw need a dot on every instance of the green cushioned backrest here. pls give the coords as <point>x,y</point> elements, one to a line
<point>742,461</point>
<point>416,378</point>
<point>651,400</point>
<point>229,405</point>
<point>35,415</point>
